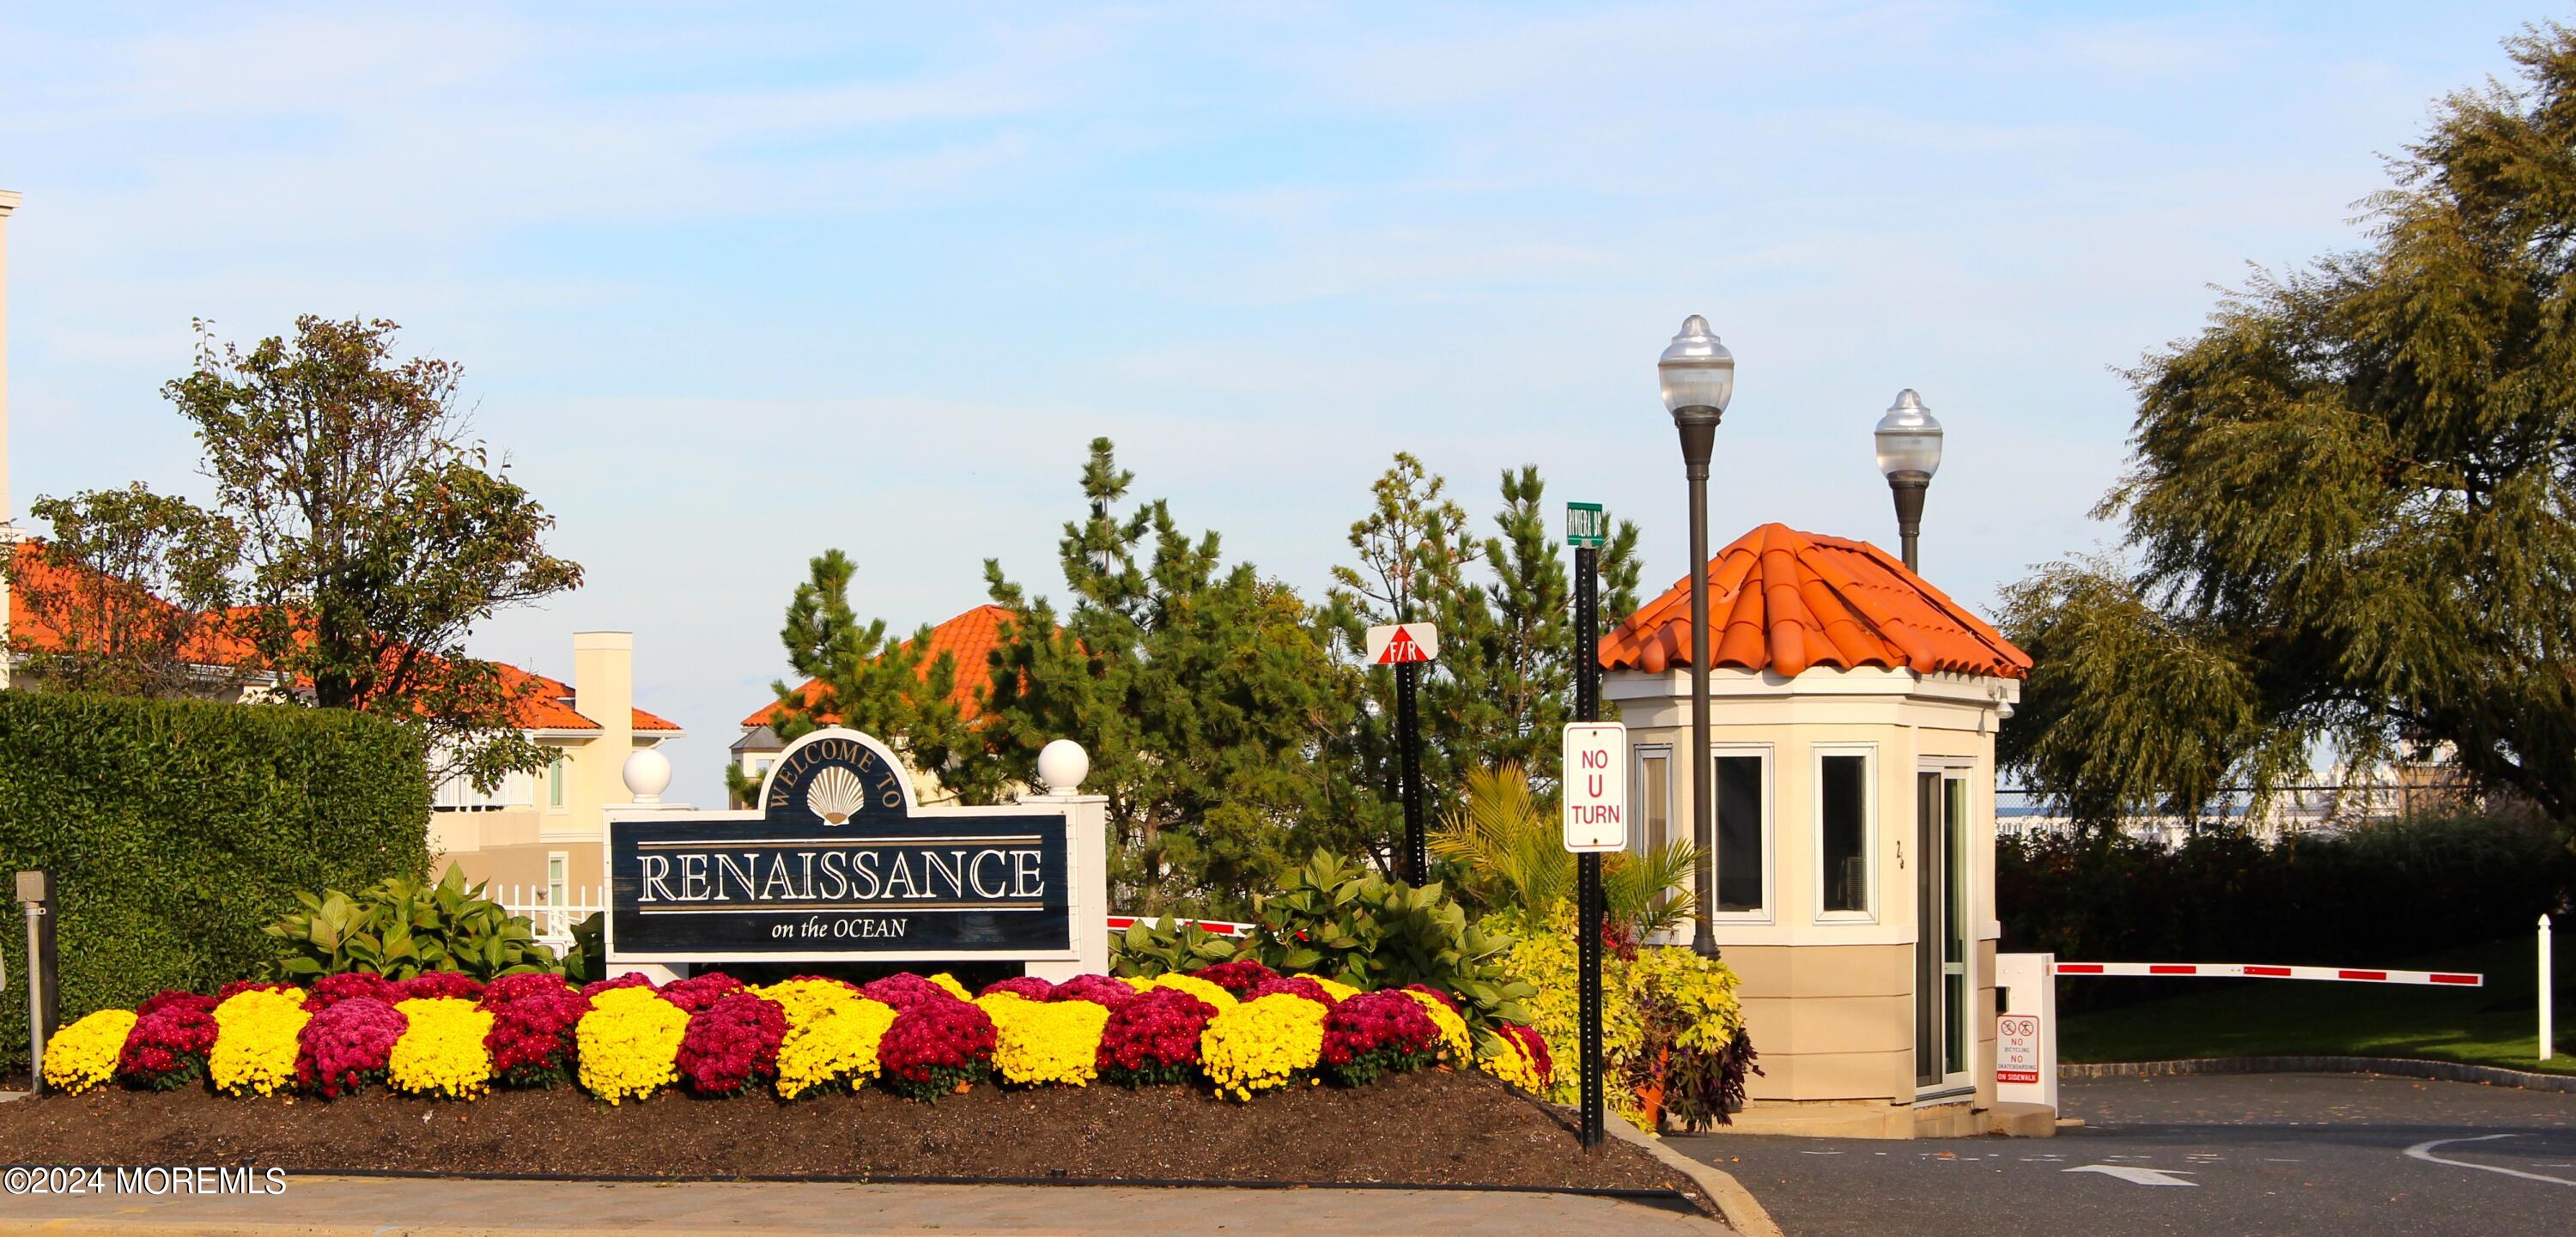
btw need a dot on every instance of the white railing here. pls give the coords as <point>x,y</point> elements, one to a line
<point>551,920</point>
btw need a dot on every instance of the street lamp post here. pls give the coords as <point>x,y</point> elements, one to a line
<point>1909,452</point>
<point>1698,378</point>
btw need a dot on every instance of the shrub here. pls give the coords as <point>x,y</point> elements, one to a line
<point>2374,894</point>
<point>631,979</point>
<point>176,829</point>
<point>1241,977</point>
<point>935,1048</point>
<point>173,1033</point>
<point>1153,1037</point>
<point>1043,1043</point>
<point>1262,1044</point>
<point>1670,1024</point>
<point>1162,946</point>
<point>903,990</point>
<point>700,992</point>
<point>83,1055</point>
<point>1344,922</point>
<point>1097,989</point>
<point>1377,1033</point>
<point>402,928</point>
<point>1029,986</point>
<point>330,990</point>
<point>1305,986</point>
<point>731,1042</point>
<point>629,1043</point>
<point>836,1050</point>
<point>347,1044</point>
<point>451,985</point>
<point>531,1040</point>
<point>256,1041</point>
<point>805,998</point>
<point>441,1052</point>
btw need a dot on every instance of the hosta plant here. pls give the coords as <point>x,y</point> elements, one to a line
<point>402,928</point>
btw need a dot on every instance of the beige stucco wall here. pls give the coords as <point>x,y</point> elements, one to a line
<point>1829,998</point>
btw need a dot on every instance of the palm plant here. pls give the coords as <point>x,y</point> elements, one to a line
<point>1504,838</point>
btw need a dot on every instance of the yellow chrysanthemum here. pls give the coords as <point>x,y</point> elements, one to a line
<point>255,1041</point>
<point>441,1052</point>
<point>629,1044</point>
<point>1335,988</point>
<point>1512,1064</point>
<point>1262,1044</point>
<point>955,989</point>
<point>837,1046</point>
<point>1455,1047</point>
<point>83,1055</point>
<point>1200,988</point>
<point>1038,1043</point>
<point>805,1000</point>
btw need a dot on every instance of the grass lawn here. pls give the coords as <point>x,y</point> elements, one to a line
<point>2494,1025</point>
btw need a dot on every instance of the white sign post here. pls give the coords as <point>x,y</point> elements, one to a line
<point>1596,787</point>
<point>2026,1030</point>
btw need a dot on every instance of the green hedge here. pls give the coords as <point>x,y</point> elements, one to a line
<point>176,829</point>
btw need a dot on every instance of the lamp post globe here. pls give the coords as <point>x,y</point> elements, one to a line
<point>1909,452</point>
<point>1697,375</point>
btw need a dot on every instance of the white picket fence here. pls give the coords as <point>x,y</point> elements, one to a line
<point>553,923</point>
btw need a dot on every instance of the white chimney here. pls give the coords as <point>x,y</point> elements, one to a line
<point>603,690</point>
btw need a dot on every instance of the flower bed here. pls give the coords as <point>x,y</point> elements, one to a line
<point>1237,1029</point>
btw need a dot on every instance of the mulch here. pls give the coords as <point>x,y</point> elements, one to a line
<point>1428,1128</point>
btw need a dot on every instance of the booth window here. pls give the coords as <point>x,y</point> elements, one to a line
<point>1843,800</point>
<point>1654,804</point>
<point>1741,822</point>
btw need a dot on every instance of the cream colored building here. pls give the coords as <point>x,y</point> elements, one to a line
<point>536,837</point>
<point>1852,761</point>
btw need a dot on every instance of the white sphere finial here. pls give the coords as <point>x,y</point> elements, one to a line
<point>1062,765</point>
<point>648,774</point>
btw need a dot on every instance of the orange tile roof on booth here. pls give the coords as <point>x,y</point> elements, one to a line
<point>969,637</point>
<point>1785,601</point>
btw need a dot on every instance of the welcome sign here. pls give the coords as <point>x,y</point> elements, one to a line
<point>836,863</point>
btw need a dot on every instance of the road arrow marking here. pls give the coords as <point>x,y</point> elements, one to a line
<point>2134,1175</point>
<point>2424,1151</point>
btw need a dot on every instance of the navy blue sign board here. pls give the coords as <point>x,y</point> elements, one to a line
<point>837,864</point>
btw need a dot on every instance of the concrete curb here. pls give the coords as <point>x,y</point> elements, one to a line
<point>1743,1213</point>
<point>2400,1067</point>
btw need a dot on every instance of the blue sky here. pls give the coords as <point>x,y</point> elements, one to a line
<point>731,286</point>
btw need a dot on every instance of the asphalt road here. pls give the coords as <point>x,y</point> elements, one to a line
<point>2280,1155</point>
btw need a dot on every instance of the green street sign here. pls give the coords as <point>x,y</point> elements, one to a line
<point>1584,527</point>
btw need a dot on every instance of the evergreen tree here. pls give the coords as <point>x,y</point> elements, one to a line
<point>1208,698</point>
<point>2349,504</point>
<point>878,686</point>
<point>1504,683</point>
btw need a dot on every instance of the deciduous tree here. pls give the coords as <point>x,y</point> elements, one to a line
<point>2348,512</point>
<point>125,597</point>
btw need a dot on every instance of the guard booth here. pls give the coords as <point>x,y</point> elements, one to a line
<point>1853,709</point>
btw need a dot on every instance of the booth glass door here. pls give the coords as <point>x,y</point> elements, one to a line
<point>1942,996</point>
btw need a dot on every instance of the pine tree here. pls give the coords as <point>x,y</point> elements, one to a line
<point>1208,698</point>
<point>877,686</point>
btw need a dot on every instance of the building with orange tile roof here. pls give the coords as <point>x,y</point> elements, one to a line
<point>968,638</point>
<point>1851,766</point>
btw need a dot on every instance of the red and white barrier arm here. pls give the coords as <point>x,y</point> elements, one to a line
<point>1218,927</point>
<point>2248,970</point>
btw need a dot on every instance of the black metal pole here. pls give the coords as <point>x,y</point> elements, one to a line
<point>1908,486</point>
<point>1698,426</point>
<point>1417,853</point>
<point>1587,708</point>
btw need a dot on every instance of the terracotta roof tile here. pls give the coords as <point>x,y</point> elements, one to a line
<point>1785,600</point>
<point>969,637</point>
